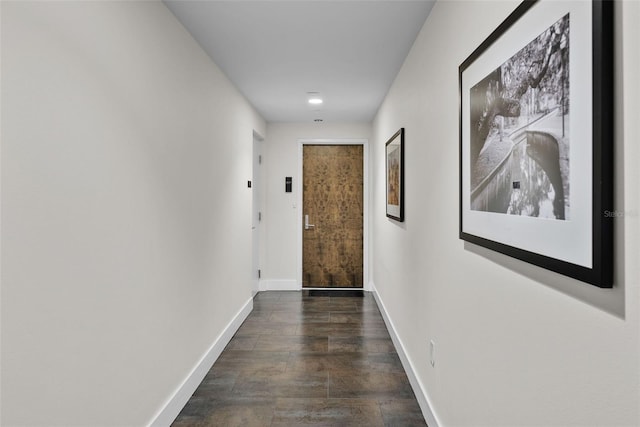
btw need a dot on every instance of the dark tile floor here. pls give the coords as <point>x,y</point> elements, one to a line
<point>306,361</point>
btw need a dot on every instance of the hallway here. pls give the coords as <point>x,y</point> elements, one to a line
<point>301,360</point>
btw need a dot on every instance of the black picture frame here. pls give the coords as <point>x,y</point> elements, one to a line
<point>394,176</point>
<point>579,211</point>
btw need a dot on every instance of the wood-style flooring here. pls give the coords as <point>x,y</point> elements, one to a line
<point>306,361</point>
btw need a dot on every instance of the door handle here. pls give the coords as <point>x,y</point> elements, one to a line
<point>307,226</point>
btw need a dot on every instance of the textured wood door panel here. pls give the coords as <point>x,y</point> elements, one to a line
<point>333,199</point>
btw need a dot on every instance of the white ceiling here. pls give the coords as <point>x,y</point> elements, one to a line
<point>277,51</point>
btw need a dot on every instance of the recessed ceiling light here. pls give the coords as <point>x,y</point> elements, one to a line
<point>314,98</point>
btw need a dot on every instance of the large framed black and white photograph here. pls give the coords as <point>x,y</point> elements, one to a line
<point>536,139</point>
<point>394,158</point>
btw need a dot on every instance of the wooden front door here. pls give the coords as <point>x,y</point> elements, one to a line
<point>332,200</point>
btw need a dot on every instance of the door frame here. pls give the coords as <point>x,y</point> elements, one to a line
<point>256,206</point>
<point>365,195</point>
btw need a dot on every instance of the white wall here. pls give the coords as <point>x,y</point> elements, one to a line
<point>515,344</point>
<point>282,213</point>
<point>125,210</point>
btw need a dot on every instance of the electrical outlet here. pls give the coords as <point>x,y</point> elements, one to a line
<point>432,352</point>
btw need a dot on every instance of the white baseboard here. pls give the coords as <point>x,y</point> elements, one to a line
<point>417,386</point>
<point>279,285</point>
<point>369,287</point>
<point>181,396</point>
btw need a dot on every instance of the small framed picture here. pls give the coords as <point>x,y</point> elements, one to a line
<point>394,150</point>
